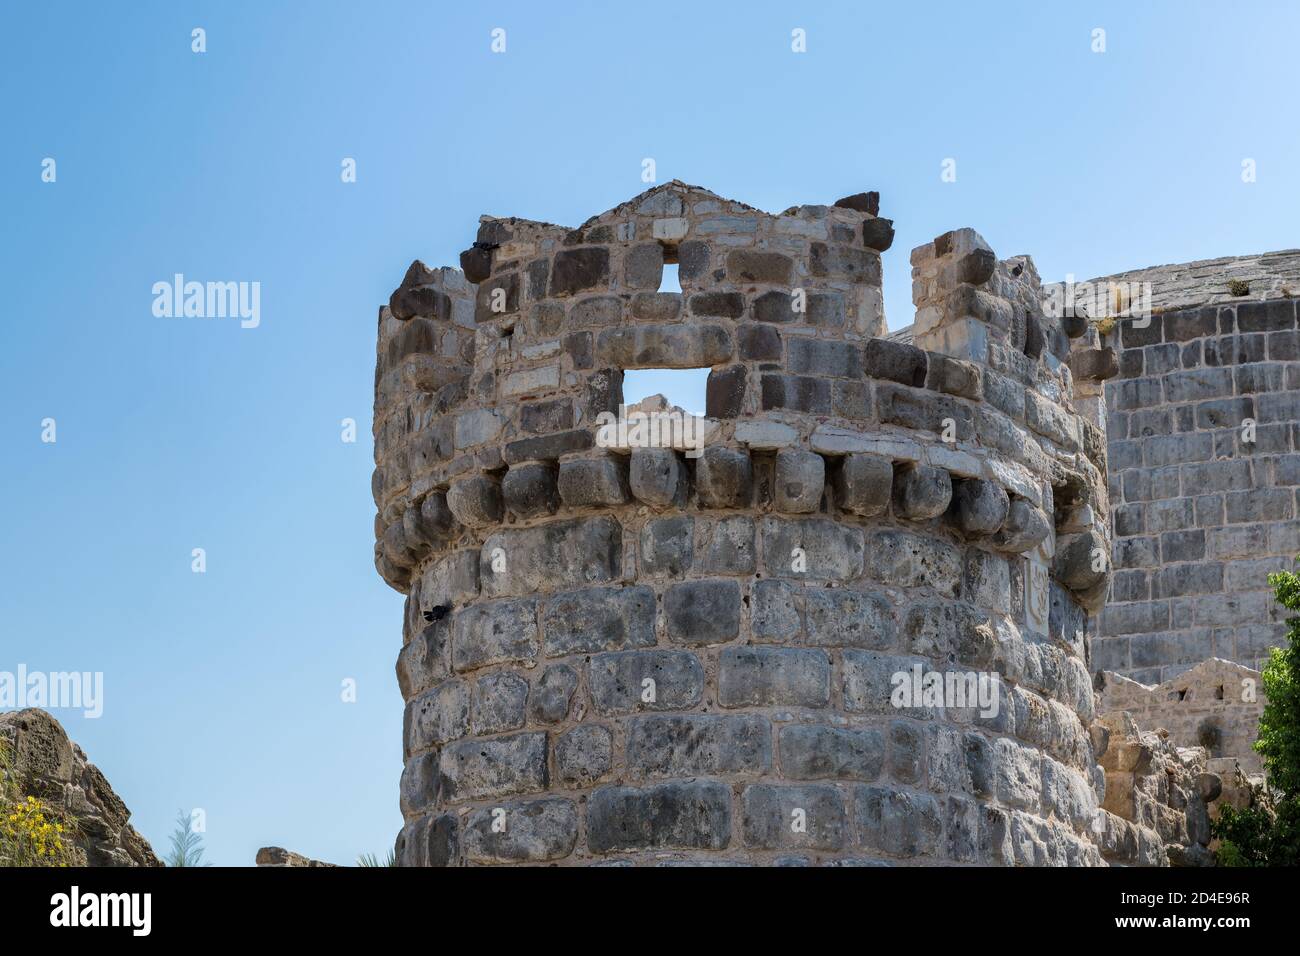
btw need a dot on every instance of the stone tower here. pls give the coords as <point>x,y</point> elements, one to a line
<point>774,644</point>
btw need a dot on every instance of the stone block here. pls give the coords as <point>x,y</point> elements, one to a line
<point>528,831</point>
<point>688,745</point>
<point>981,506</point>
<point>475,502</point>
<point>863,484</point>
<point>703,612</point>
<point>724,478</point>
<point>692,815</point>
<point>499,766</point>
<point>655,476</point>
<point>631,681</point>
<point>593,482</point>
<point>549,700</point>
<point>530,490</point>
<point>786,817</point>
<point>598,619</point>
<point>773,677</point>
<point>583,755</point>
<point>921,492</point>
<point>800,480</point>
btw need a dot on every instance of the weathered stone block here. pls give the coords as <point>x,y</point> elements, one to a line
<point>774,306</point>
<point>839,617</point>
<point>598,619</point>
<point>495,767</point>
<point>1025,528</point>
<point>773,677</point>
<point>694,815</point>
<point>727,305</point>
<point>530,490</point>
<point>664,346</point>
<point>878,234</point>
<point>583,755</point>
<point>774,611</point>
<point>535,831</point>
<point>655,476</point>
<point>494,632</point>
<point>593,482</point>
<point>562,554</point>
<point>643,266</point>
<point>823,357</point>
<point>548,447</point>
<point>901,559</point>
<point>1081,561</point>
<point>817,752</point>
<point>724,392</point>
<point>549,701</point>
<point>476,501</point>
<point>687,745</point>
<point>799,393</point>
<point>668,546</point>
<point>437,716</point>
<point>779,817</point>
<point>575,270</point>
<point>498,703</point>
<point>800,480</point>
<point>425,659</point>
<point>921,492</point>
<point>816,548</point>
<point>863,484</point>
<point>703,612</point>
<point>750,265</point>
<point>895,362</point>
<point>724,478</point>
<point>730,546</point>
<point>981,506</point>
<point>632,681</point>
<point>897,822</point>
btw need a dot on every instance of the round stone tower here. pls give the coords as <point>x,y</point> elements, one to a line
<point>841,619</point>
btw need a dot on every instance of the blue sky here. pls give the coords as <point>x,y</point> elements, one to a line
<point>222,689</point>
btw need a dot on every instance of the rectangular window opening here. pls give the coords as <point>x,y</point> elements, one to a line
<point>682,388</point>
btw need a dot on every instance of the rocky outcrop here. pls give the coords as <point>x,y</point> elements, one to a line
<point>47,765</point>
<point>279,856</point>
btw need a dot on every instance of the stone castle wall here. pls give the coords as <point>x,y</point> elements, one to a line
<point>1203,439</point>
<point>630,655</point>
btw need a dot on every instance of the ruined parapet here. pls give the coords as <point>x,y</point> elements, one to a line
<point>618,653</point>
<point>45,764</point>
<point>1215,705</point>
<point>1157,797</point>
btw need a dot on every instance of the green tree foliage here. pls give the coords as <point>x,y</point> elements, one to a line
<point>1267,833</point>
<point>187,846</point>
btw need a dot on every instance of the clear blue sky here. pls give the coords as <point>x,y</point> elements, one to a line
<point>223,689</point>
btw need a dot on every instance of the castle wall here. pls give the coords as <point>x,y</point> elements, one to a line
<point>619,654</point>
<point>1203,425</point>
<point>1215,704</point>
